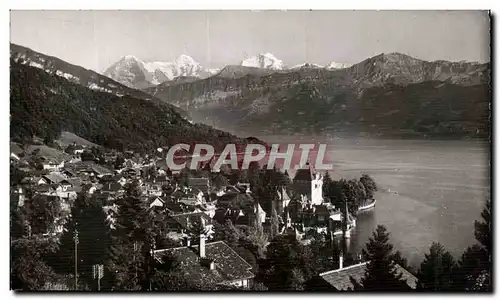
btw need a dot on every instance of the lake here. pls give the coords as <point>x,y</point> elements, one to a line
<point>438,189</point>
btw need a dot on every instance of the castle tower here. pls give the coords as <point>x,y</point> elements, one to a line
<point>317,190</point>
<point>308,183</point>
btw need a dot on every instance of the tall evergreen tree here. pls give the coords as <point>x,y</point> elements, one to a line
<point>132,241</point>
<point>325,251</point>
<point>474,267</point>
<point>256,239</point>
<point>89,219</point>
<point>253,175</point>
<point>482,229</point>
<point>228,233</point>
<point>398,258</point>
<point>328,193</point>
<point>381,274</point>
<point>436,271</point>
<point>125,267</point>
<point>133,220</point>
<point>287,265</point>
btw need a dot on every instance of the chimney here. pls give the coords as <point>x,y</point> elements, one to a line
<point>341,261</point>
<point>208,263</point>
<point>187,241</point>
<point>202,246</point>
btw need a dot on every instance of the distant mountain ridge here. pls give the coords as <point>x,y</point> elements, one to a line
<point>263,61</point>
<point>135,73</point>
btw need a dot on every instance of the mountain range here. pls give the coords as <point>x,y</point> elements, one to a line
<point>135,73</point>
<point>389,95</point>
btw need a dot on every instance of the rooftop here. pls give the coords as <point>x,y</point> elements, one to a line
<point>340,278</point>
<point>186,220</point>
<point>229,266</point>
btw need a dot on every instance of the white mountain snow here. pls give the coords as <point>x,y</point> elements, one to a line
<point>136,73</point>
<point>264,61</point>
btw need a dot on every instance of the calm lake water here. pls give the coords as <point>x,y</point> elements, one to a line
<point>437,189</point>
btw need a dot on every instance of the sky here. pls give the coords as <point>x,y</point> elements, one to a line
<point>97,39</point>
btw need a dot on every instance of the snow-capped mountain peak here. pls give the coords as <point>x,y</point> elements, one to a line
<point>336,65</point>
<point>264,61</point>
<point>184,59</point>
<point>133,72</point>
<point>130,57</point>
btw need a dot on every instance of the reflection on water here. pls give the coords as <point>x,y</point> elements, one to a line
<point>441,188</point>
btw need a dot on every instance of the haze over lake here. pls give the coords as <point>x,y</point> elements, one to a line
<point>437,189</point>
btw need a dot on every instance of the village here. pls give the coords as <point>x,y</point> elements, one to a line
<point>194,208</point>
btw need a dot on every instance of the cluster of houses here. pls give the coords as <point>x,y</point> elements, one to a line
<point>188,212</point>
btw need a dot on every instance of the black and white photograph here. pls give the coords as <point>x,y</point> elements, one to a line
<point>251,151</point>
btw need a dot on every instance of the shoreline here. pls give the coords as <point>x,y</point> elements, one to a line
<point>368,206</point>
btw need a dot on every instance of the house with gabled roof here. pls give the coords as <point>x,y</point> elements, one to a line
<point>100,171</point>
<point>156,202</point>
<point>34,180</point>
<point>238,207</point>
<point>46,189</point>
<point>69,172</point>
<point>188,196</point>
<point>213,264</point>
<point>53,178</point>
<point>130,163</point>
